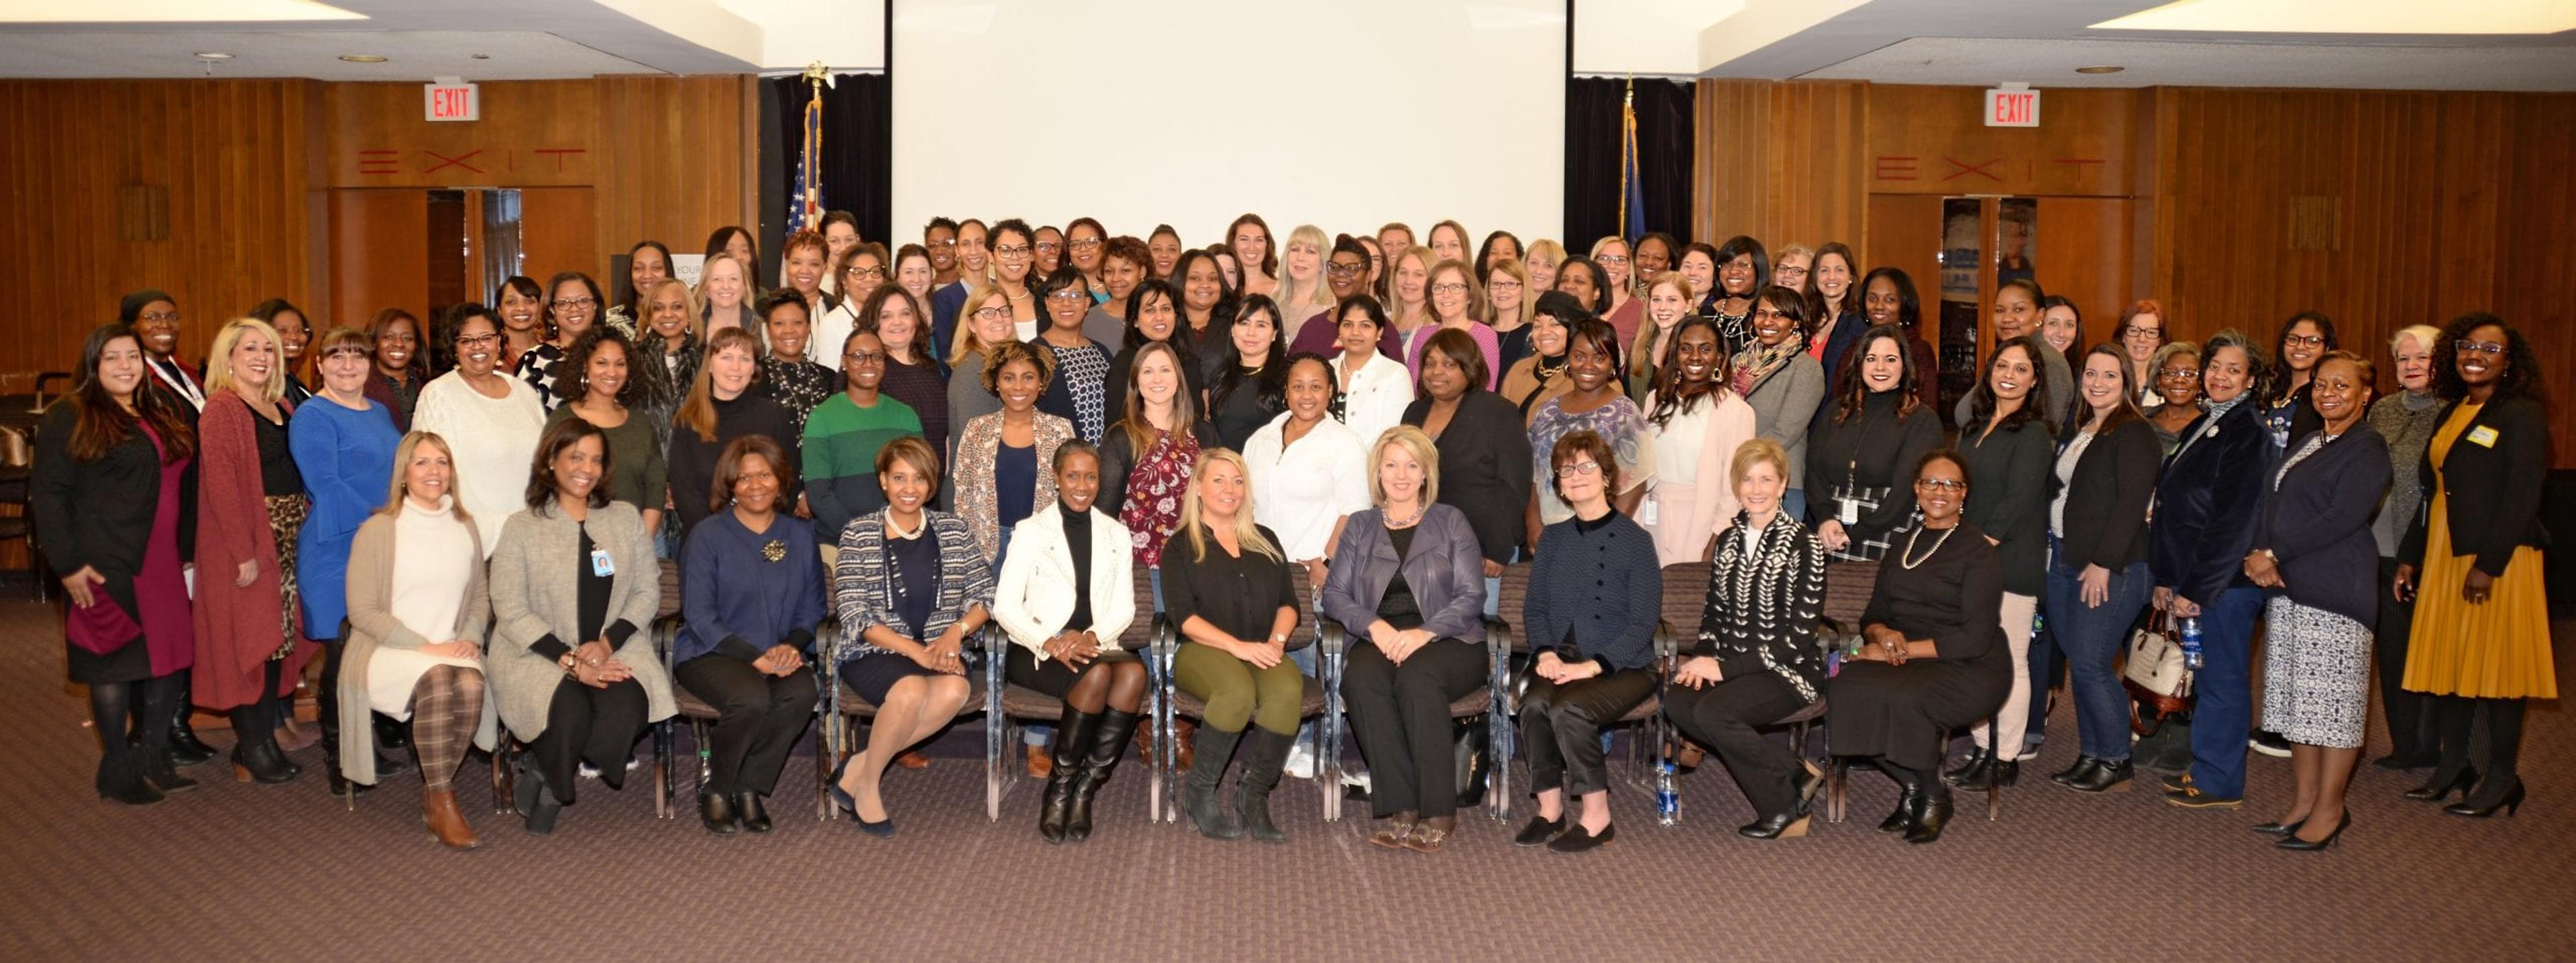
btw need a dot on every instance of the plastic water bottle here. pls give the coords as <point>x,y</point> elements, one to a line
<point>1668,797</point>
<point>2191,642</point>
<point>2038,624</point>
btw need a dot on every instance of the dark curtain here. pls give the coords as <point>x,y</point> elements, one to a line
<point>1664,142</point>
<point>858,137</point>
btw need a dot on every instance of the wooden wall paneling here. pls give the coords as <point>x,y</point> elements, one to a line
<point>558,231</point>
<point>534,133</point>
<point>1780,160</point>
<point>1905,233</point>
<point>2536,246</point>
<point>1931,140</point>
<point>379,253</point>
<point>678,160</point>
<point>2082,252</point>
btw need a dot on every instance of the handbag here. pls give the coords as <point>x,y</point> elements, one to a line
<point>103,627</point>
<point>2154,673</point>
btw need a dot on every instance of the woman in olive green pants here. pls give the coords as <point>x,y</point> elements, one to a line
<point>1225,583</point>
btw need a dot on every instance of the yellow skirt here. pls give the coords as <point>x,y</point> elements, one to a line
<point>2497,649</point>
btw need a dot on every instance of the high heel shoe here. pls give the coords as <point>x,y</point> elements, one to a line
<point>2284,830</point>
<point>2294,844</point>
<point>1785,825</point>
<point>2510,802</point>
<point>2435,790</point>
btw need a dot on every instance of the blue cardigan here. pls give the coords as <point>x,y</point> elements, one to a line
<point>2207,503</point>
<point>736,601</point>
<point>2317,521</point>
<point>1595,595</point>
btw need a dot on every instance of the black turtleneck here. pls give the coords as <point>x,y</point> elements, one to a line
<point>1077,540</point>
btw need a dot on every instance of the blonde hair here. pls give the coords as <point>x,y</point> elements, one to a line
<point>1247,533</point>
<point>1394,302</point>
<point>698,409</point>
<point>688,309</point>
<point>750,284</point>
<point>1413,441</point>
<point>1553,252</point>
<point>401,484</point>
<point>219,359</point>
<point>1529,298</point>
<point>965,340</point>
<point>1755,452</point>
<point>1322,295</point>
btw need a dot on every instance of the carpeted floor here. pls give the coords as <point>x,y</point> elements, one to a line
<point>233,871</point>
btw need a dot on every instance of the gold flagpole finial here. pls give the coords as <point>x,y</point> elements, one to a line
<point>817,74</point>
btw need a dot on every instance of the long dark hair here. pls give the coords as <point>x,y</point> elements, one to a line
<point>1271,380</point>
<point>1909,305</point>
<point>1135,309</point>
<point>1672,394</point>
<point>716,242</point>
<point>574,382</point>
<point>1981,403</point>
<point>2127,409</point>
<point>2280,376</point>
<point>565,433</point>
<point>1853,393</point>
<point>2522,364</point>
<point>629,298</point>
<point>1219,313</point>
<point>100,424</point>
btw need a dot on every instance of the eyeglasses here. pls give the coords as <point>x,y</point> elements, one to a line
<point>2489,348</point>
<point>1341,270</point>
<point>1505,284</point>
<point>158,317</point>
<point>866,272</point>
<point>1942,484</point>
<point>991,314</point>
<point>2134,331</point>
<point>476,340</point>
<point>1086,243</point>
<point>578,302</point>
<point>1578,469</point>
<point>1050,245</point>
<point>1612,259</point>
<point>2178,373</point>
<point>1067,295</point>
<point>951,242</point>
<point>1452,287</point>
<point>865,357</point>
<point>1012,250</point>
<point>2310,340</point>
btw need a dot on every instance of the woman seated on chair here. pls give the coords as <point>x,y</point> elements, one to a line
<point>751,588</point>
<point>1067,592</point>
<point>1226,586</point>
<point>416,625</point>
<point>1932,654</point>
<point>1595,595</point>
<point>1757,662</point>
<point>910,586</point>
<point>1408,581</point>
<point>574,582</point>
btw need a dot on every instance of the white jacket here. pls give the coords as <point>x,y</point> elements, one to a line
<point>1035,594</point>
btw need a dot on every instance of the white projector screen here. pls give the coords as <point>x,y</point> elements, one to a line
<point>1344,114</point>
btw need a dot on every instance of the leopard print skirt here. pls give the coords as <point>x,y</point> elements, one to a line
<point>286,520</point>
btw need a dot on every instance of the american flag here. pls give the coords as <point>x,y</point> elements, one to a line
<point>805,200</point>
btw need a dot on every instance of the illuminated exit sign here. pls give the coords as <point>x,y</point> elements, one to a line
<point>451,98</point>
<point>2012,105</point>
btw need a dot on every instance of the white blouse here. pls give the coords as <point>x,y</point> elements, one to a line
<point>493,441</point>
<point>1374,399</point>
<point>1302,490</point>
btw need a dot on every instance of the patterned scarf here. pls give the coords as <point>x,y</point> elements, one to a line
<point>1757,362</point>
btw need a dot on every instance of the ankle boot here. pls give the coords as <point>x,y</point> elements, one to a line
<point>121,775</point>
<point>2107,775</point>
<point>438,811</point>
<point>1265,755</point>
<point>1931,812</point>
<point>185,748</point>
<point>1108,742</point>
<point>748,807</point>
<point>1999,772</point>
<point>715,811</point>
<point>1215,748</point>
<point>391,733</point>
<point>257,758</point>
<point>162,773</point>
<point>1978,758</point>
<point>1908,794</point>
<point>1073,734</point>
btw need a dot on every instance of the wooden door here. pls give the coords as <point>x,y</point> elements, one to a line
<point>379,249</point>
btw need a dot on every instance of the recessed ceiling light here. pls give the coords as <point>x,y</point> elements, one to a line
<point>363,58</point>
<point>482,56</point>
<point>2099,70</point>
<point>213,55</point>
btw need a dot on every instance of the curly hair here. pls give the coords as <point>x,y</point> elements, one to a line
<point>2521,378</point>
<point>575,380</point>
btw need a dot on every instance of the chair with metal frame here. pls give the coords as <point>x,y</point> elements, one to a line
<point>1170,703</point>
<point>508,748</point>
<point>1648,714</point>
<point>1837,768</point>
<point>1020,702</point>
<point>847,711</point>
<point>1334,644</point>
<point>702,718</point>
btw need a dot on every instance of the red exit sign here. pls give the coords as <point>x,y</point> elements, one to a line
<point>451,99</point>
<point>2012,105</point>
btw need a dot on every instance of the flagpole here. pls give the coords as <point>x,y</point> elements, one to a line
<point>1627,148</point>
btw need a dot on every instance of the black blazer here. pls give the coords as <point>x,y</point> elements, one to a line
<point>2208,501</point>
<point>2106,500</point>
<point>1118,459</point>
<point>99,513</point>
<point>2491,492</point>
<point>1484,468</point>
<point>2008,476</point>
<point>2317,521</point>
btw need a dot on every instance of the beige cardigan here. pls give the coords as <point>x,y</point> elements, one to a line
<point>372,624</point>
<point>535,592</point>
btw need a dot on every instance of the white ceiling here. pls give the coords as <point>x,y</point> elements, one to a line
<point>411,55</point>
<point>1985,62</point>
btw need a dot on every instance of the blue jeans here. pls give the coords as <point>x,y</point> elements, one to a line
<point>1793,502</point>
<point>2091,636</point>
<point>2224,686</point>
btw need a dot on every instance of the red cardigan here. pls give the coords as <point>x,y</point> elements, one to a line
<point>237,626</point>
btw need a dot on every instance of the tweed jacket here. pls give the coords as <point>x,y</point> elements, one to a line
<point>863,588</point>
<point>372,623</point>
<point>977,497</point>
<point>1763,605</point>
<point>536,593</point>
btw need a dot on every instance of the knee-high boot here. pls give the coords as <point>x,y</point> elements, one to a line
<point>1108,742</point>
<point>1073,732</point>
<point>1265,754</point>
<point>1215,749</point>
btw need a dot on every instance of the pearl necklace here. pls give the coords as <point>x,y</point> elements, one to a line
<point>1907,559</point>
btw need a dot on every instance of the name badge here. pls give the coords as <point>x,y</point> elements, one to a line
<point>1850,512</point>
<point>1647,511</point>
<point>600,564</point>
<point>2482,436</point>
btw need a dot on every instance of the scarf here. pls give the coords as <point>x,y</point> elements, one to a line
<point>1757,362</point>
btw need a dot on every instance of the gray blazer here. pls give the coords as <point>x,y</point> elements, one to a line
<point>1783,404</point>
<point>536,593</point>
<point>1445,570</point>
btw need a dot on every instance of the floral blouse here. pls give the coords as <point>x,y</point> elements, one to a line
<point>1154,491</point>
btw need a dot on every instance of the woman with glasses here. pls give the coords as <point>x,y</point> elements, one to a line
<point>490,421</point>
<point>1046,249</point>
<point>1509,302</point>
<point>2176,370</point>
<point>1086,247</point>
<point>2140,333</point>
<point>2208,499</point>
<point>1077,392</point>
<point>345,447</point>
<point>1014,257</point>
<point>1345,277</point>
<point>1621,307</point>
<point>1457,305</point>
<point>860,270</point>
<point>573,305</point>
<point>984,324</point>
<point>839,450</point>
<point>2286,413</point>
<point>1593,404</point>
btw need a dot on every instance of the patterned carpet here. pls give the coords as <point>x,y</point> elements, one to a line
<point>234,871</point>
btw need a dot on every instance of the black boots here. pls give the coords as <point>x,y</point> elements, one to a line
<point>185,748</point>
<point>260,760</point>
<point>391,733</point>
<point>748,807</point>
<point>1265,754</point>
<point>715,811</point>
<point>121,774</point>
<point>1984,768</point>
<point>1214,749</point>
<point>2103,775</point>
<point>1908,794</point>
<point>1073,733</point>
<point>1931,812</point>
<point>1108,741</point>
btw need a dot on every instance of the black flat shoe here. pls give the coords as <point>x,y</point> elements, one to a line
<point>2435,789</point>
<point>2074,772</point>
<point>2399,760</point>
<point>2294,844</point>
<point>754,815</point>
<point>1575,840</point>
<point>715,811</point>
<point>2104,776</point>
<point>1977,759</point>
<point>2284,830</point>
<point>2481,807</point>
<point>1539,832</point>
<point>1788,825</point>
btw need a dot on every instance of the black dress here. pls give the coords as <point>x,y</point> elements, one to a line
<point>1952,597</point>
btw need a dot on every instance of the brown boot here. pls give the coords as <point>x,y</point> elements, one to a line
<point>1183,740</point>
<point>438,811</point>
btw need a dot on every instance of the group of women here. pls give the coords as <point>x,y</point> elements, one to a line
<point>1016,426</point>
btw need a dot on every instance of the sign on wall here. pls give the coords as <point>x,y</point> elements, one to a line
<point>451,99</point>
<point>2012,105</point>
